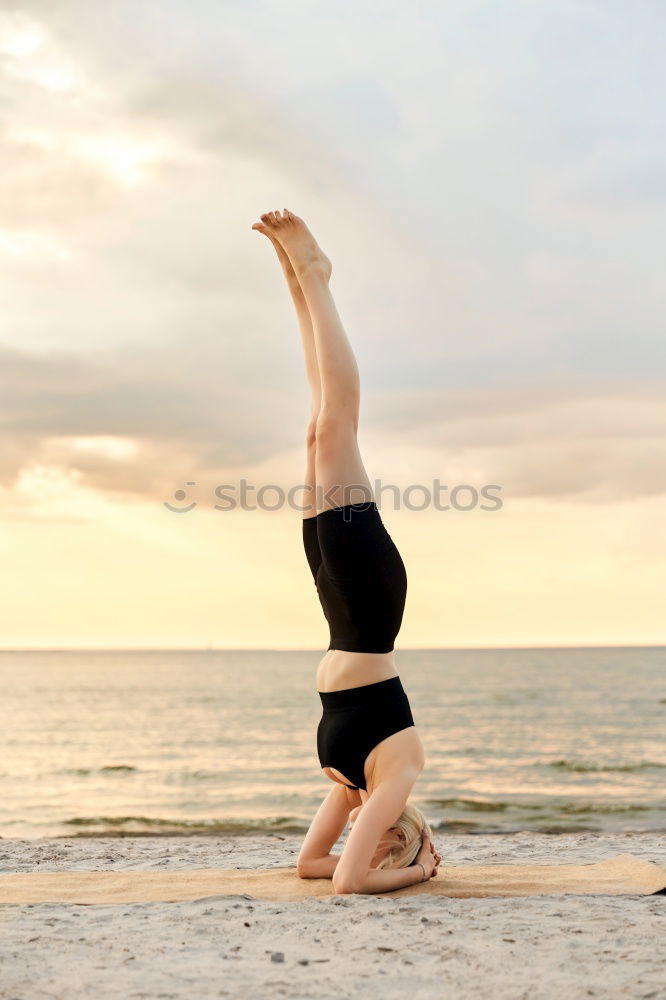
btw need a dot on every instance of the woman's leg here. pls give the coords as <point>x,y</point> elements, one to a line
<point>311,369</point>
<point>340,475</point>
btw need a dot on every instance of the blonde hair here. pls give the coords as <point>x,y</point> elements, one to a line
<point>411,822</point>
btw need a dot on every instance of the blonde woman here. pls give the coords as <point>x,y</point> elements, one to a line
<point>366,740</point>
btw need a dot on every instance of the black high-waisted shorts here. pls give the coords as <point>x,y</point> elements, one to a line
<point>355,720</point>
<point>359,575</point>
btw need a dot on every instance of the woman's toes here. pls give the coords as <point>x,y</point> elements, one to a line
<point>278,218</point>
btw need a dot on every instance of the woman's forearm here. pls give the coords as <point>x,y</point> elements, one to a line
<point>318,867</point>
<point>376,880</point>
<point>386,880</point>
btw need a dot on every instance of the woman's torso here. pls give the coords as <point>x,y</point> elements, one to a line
<point>340,669</point>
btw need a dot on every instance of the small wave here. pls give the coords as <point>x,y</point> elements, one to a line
<point>544,826</point>
<point>106,769</point>
<point>583,768</point>
<point>555,828</point>
<point>578,808</point>
<point>473,805</point>
<point>184,777</point>
<point>137,826</point>
<point>457,826</point>
<point>551,807</point>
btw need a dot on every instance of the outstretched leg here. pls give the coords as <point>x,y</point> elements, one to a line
<point>311,368</point>
<point>340,475</point>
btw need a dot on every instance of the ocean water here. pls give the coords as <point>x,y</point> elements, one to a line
<point>114,743</point>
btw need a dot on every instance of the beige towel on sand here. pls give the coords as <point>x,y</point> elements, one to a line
<point>624,874</point>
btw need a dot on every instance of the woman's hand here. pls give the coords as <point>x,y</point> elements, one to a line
<point>438,857</point>
<point>427,856</point>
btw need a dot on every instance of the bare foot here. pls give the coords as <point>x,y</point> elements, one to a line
<point>289,273</point>
<point>297,241</point>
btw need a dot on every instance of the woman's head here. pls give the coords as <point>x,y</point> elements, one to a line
<point>401,843</point>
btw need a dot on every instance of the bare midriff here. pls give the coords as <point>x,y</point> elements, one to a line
<point>340,669</point>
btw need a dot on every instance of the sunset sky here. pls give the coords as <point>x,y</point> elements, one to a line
<point>489,180</point>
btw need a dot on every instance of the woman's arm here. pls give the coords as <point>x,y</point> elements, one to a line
<point>352,872</point>
<point>315,859</point>
<point>422,870</point>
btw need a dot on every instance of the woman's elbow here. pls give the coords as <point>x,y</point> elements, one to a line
<point>303,869</point>
<point>311,868</point>
<point>346,884</point>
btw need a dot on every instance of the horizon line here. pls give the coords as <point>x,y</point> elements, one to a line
<point>307,649</point>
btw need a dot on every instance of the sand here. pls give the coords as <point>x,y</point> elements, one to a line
<point>417,946</point>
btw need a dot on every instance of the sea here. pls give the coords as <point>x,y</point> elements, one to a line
<point>223,742</point>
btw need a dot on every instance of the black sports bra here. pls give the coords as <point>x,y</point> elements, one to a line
<point>359,575</point>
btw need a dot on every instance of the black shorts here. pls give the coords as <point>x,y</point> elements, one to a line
<point>355,720</point>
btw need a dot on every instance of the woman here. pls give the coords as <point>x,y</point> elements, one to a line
<point>367,743</point>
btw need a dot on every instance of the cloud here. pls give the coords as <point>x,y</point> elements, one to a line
<point>49,188</point>
<point>469,174</point>
<point>544,441</point>
<point>547,442</point>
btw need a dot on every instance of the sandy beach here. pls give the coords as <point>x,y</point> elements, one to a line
<point>537,947</point>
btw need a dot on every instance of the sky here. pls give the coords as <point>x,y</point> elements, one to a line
<point>489,181</point>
